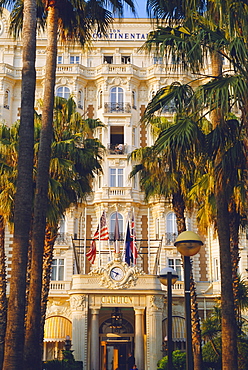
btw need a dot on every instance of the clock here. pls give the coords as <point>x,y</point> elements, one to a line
<point>116,273</point>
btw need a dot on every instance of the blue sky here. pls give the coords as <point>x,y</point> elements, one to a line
<point>140,6</point>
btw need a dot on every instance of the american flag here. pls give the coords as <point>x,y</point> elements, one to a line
<point>104,235</point>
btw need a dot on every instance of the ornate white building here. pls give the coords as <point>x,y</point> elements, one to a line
<point>113,80</point>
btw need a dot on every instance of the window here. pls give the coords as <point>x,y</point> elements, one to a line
<point>116,138</point>
<point>171,228</point>
<point>116,177</point>
<point>6,102</point>
<point>216,269</point>
<point>59,59</point>
<point>152,94</point>
<point>176,264</point>
<point>117,99</point>
<point>58,268</point>
<point>157,60</point>
<point>80,100</point>
<point>100,99</point>
<point>108,59</point>
<point>135,182</point>
<point>112,225</point>
<point>74,59</point>
<point>99,182</point>
<point>75,228</point>
<point>63,92</point>
<point>134,136</point>
<point>134,100</point>
<point>170,107</point>
<point>157,227</point>
<point>125,59</point>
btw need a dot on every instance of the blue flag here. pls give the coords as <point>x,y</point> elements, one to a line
<point>128,241</point>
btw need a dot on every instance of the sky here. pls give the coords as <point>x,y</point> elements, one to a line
<point>140,6</point>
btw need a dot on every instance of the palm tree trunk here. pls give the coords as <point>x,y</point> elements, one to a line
<point>228,322</point>
<point>13,356</point>
<point>234,243</point>
<point>33,354</point>
<point>51,235</point>
<point>3,296</point>
<point>196,327</point>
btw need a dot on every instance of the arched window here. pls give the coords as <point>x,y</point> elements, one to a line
<point>134,100</point>
<point>117,99</point>
<point>63,92</point>
<point>157,228</point>
<point>80,99</point>
<point>112,225</point>
<point>6,99</point>
<point>100,99</point>
<point>171,227</point>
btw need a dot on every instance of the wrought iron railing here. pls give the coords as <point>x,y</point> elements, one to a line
<point>117,108</point>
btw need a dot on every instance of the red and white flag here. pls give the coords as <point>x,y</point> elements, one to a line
<point>104,235</point>
<point>133,245</point>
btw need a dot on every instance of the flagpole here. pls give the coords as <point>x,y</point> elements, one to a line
<point>149,242</point>
<point>99,250</point>
<point>85,240</point>
<point>124,243</point>
<point>109,247</point>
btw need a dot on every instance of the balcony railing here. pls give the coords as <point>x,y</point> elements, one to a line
<point>170,238</point>
<point>117,108</point>
<point>117,149</point>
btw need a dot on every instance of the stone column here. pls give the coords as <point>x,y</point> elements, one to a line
<point>94,351</point>
<point>139,338</point>
<point>154,331</point>
<point>79,307</point>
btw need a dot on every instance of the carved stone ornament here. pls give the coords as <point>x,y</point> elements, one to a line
<point>117,274</point>
<point>157,302</point>
<point>78,302</point>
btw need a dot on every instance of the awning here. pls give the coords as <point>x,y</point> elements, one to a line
<point>178,329</point>
<point>56,329</point>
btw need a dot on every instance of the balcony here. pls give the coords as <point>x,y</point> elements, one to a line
<point>59,286</point>
<point>117,108</point>
<point>117,149</point>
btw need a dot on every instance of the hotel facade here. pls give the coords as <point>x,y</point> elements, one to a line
<point>113,80</point>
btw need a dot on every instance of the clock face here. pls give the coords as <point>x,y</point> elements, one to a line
<point>116,273</point>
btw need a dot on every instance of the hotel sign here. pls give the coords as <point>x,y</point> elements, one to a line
<point>117,34</point>
<point>116,300</point>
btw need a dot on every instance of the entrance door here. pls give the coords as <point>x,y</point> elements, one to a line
<point>114,355</point>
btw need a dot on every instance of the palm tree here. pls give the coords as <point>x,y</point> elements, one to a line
<point>181,42</point>
<point>166,169</point>
<point>74,160</point>
<point>83,17</point>
<point>23,200</point>
<point>8,160</point>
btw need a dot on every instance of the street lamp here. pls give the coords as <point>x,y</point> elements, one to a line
<point>167,277</point>
<point>188,244</point>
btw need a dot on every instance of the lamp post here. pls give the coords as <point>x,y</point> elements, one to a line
<point>167,277</point>
<point>188,244</point>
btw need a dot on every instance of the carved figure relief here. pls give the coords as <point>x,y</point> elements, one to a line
<point>78,302</point>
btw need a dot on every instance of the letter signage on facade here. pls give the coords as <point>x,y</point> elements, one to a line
<point>117,300</point>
